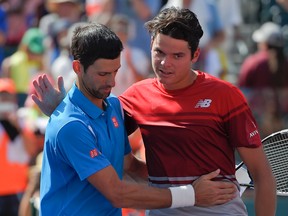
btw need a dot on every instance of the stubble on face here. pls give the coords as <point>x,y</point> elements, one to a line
<point>99,78</point>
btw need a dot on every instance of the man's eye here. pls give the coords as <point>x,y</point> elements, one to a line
<point>158,52</point>
<point>102,74</point>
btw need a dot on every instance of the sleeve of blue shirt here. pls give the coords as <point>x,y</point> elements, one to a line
<point>75,149</point>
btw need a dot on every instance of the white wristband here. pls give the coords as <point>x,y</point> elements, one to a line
<point>182,196</point>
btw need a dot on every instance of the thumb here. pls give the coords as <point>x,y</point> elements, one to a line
<point>61,86</point>
<point>211,175</point>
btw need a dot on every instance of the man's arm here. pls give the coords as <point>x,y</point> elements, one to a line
<point>263,179</point>
<point>207,191</point>
<point>47,97</point>
<point>124,194</point>
<point>135,168</point>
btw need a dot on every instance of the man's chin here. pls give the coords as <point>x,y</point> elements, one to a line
<point>106,94</point>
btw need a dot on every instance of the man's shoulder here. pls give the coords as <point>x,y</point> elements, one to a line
<point>67,111</point>
<point>208,78</point>
<point>68,119</point>
<point>217,84</point>
<point>142,86</point>
<point>113,99</point>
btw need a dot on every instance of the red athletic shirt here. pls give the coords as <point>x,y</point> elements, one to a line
<point>191,131</point>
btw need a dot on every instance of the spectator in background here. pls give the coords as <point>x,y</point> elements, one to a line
<point>263,78</point>
<point>100,10</point>
<point>268,66</point>
<point>69,11</point>
<point>20,16</point>
<point>17,26</point>
<point>62,65</point>
<point>25,63</point>
<point>61,60</point>
<point>231,17</point>
<point>14,151</point>
<point>30,202</point>
<point>138,12</point>
<point>34,10</point>
<point>72,10</point>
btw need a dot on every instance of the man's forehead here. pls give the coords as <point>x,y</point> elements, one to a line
<point>165,42</point>
<point>107,64</point>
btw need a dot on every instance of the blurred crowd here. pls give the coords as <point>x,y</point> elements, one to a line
<point>244,42</point>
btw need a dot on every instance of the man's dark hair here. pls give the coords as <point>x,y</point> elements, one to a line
<point>177,23</point>
<point>93,41</point>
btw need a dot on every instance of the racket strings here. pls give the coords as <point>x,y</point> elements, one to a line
<point>276,149</point>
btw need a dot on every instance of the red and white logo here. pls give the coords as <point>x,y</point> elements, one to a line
<point>94,153</point>
<point>203,103</point>
<point>115,122</point>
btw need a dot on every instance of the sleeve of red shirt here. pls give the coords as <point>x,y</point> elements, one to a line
<point>239,121</point>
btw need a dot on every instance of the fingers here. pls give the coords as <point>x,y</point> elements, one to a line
<point>209,192</point>
<point>214,196</point>
<point>225,195</point>
<point>36,100</point>
<point>224,199</point>
<point>211,175</point>
<point>46,82</point>
<point>37,86</point>
<point>42,87</point>
<point>42,83</point>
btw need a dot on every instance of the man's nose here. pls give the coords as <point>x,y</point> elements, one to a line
<point>166,61</point>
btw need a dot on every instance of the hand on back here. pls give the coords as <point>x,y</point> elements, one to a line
<point>209,192</point>
<point>47,97</point>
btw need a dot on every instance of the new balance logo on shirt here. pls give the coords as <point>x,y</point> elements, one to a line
<point>203,103</point>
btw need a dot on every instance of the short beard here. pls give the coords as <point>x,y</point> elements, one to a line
<point>94,93</point>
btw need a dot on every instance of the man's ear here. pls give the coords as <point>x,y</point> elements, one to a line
<point>196,55</point>
<point>76,66</point>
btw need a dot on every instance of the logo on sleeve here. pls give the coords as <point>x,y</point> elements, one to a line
<point>254,133</point>
<point>115,122</point>
<point>94,153</point>
<point>203,103</point>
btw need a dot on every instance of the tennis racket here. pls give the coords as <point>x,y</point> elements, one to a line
<point>276,150</point>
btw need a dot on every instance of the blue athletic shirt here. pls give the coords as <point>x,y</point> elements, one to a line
<point>80,140</point>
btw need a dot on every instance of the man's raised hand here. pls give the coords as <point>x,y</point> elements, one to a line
<point>47,97</point>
